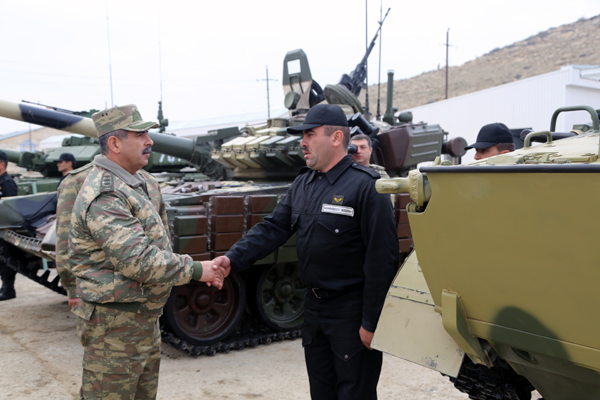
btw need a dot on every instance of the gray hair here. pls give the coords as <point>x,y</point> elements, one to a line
<point>119,133</point>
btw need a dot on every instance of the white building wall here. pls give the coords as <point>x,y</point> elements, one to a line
<point>529,103</point>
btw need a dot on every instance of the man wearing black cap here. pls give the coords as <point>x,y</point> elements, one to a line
<point>347,256</point>
<point>65,164</point>
<point>8,187</point>
<point>492,140</point>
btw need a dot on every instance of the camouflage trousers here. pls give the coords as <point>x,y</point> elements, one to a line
<point>122,353</point>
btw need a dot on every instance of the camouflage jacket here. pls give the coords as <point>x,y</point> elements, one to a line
<point>67,193</point>
<point>380,170</point>
<point>119,243</point>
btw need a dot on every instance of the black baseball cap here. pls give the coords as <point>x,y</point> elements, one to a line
<point>319,115</point>
<point>490,135</point>
<point>3,156</point>
<point>66,157</point>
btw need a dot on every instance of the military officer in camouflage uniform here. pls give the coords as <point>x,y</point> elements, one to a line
<point>122,258</point>
<point>362,156</point>
<point>67,193</point>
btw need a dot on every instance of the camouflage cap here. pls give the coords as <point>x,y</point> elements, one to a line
<point>124,117</point>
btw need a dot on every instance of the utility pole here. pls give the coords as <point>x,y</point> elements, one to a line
<point>268,100</point>
<point>447,47</point>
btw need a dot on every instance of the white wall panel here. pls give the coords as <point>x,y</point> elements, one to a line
<point>529,103</point>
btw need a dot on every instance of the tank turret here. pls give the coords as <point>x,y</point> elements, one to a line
<point>501,292</point>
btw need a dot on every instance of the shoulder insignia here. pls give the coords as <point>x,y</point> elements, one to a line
<point>374,174</point>
<point>80,169</point>
<point>107,183</point>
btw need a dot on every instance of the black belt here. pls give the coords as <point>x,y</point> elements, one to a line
<point>324,294</point>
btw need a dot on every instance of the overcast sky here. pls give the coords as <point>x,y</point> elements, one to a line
<point>214,54</point>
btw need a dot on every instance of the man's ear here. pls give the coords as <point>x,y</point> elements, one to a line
<point>338,138</point>
<point>114,144</point>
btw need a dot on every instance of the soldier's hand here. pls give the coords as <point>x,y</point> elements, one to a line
<point>224,263</point>
<point>73,302</point>
<point>213,275</point>
<point>366,337</point>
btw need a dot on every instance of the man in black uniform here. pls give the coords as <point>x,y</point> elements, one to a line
<point>492,140</point>
<point>8,187</point>
<point>347,255</point>
<point>65,164</point>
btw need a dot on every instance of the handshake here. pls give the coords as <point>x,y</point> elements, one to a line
<point>214,272</point>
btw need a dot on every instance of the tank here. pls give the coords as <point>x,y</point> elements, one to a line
<point>500,292</point>
<point>206,217</point>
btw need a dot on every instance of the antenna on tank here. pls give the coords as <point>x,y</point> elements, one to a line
<point>367,113</point>
<point>379,77</point>
<point>159,60</point>
<point>268,99</point>
<point>109,60</point>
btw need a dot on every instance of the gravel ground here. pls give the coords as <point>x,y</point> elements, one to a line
<point>41,359</point>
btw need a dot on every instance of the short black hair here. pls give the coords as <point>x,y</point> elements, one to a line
<point>329,129</point>
<point>505,146</point>
<point>363,137</point>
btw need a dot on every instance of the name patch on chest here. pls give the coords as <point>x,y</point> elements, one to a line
<point>341,210</point>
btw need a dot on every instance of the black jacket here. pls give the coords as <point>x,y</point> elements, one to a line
<point>8,187</point>
<point>346,234</point>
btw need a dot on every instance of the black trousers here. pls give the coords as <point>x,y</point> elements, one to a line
<point>339,366</point>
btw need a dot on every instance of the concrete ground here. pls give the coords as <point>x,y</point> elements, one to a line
<point>40,358</point>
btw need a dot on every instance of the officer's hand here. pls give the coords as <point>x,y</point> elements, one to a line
<point>366,337</point>
<point>73,302</point>
<point>213,275</point>
<point>223,262</point>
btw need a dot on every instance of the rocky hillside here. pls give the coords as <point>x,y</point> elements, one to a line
<point>576,43</point>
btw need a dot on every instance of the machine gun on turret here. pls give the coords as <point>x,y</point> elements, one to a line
<point>355,81</point>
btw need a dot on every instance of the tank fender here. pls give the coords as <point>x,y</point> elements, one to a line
<point>410,328</point>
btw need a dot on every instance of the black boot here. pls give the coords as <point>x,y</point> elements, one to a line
<point>7,291</point>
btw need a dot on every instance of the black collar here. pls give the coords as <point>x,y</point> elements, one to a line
<point>334,173</point>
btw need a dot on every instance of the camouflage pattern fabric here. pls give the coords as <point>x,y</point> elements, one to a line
<point>119,245</point>
<point>380,170</point>
<point>67,193</point>
<point>121,356</point>
<point>124,117</point>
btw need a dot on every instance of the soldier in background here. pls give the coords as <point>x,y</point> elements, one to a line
<point>67,193</point>
<point>492,140</point>
<point>121,255</point>
<point>8,188</point>
<point>65,164</point>
<point>363,153</point>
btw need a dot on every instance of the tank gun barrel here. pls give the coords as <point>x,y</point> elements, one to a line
<point>184,148</point>
<point>13,155</point>
<point>49,118</point>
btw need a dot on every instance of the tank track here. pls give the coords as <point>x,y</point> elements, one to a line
<point>500,382</point>
<point>249,333</point>
<point>29,266</point>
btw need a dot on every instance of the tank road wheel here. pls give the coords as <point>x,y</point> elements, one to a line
<point>202,315</point>
<point>277,296</point>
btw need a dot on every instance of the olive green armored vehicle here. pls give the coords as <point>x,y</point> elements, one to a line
<point>206,217</point>
<point>501,292</point>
